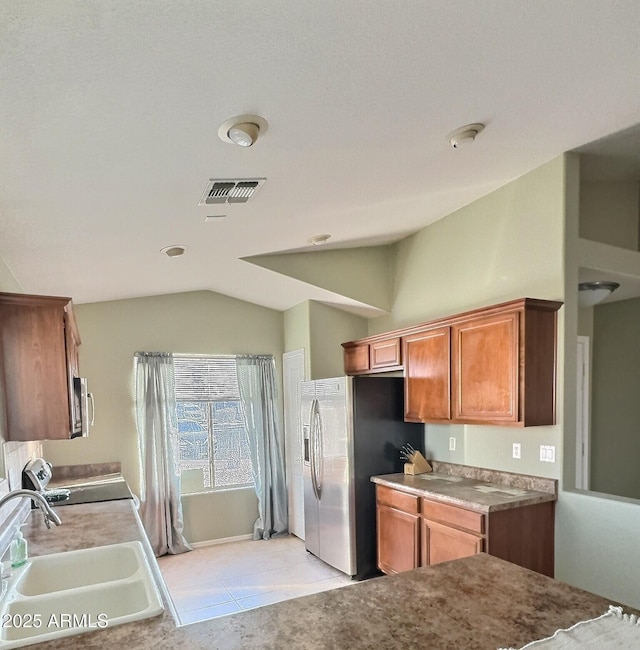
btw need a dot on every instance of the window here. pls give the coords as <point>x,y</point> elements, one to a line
<point>213,448</point>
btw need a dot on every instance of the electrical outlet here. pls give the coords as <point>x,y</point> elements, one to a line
<point>516,450</point>
<point>548,453</point>
<point>452,444</point>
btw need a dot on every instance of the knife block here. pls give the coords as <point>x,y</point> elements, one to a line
<point>418,465</point>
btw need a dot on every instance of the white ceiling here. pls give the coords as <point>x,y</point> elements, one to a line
<point>109,115</point>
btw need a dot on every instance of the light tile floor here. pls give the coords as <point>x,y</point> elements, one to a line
<point>214,581</point>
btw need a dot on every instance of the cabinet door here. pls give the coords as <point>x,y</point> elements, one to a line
<point>442,543</point>
<point>485,369</point>
<point>398,537</point>
<point>385,354</point>
<point>34,372</point>
<point>427,375</point>
<point>356,359</point>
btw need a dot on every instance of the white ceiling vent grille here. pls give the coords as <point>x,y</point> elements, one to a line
<point>230,190</point>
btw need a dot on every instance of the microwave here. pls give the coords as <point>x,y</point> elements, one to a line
<point>82,409</point>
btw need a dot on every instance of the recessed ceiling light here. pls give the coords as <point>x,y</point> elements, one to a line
<point>464,135</point>
<point>242,130</point>
<point>318,240</point>
<point>174,251</point>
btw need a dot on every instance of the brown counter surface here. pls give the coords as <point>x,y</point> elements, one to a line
<point>469,493</point>
<point>478,602</point>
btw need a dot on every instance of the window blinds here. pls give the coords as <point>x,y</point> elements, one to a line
<point>206,379</point>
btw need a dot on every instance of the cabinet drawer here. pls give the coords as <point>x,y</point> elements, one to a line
<point>453,516</point>
<point>397,499</point>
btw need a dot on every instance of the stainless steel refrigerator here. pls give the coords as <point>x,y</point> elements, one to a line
<point>353,429</point>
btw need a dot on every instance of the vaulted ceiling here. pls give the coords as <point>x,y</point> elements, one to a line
<point>110,113</point>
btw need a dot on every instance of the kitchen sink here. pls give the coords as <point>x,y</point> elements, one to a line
<point>79,591</point>
<point>88,566</point>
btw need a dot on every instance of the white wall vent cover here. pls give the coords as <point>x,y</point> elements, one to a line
<point>230,190</point>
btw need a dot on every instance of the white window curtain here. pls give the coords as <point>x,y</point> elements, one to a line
<point>160,506</point>
<point>256,380</point>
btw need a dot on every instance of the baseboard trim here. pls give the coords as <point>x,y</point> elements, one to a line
<point>223,540</point>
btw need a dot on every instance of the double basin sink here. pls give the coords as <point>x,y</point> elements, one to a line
<point>79,591</point>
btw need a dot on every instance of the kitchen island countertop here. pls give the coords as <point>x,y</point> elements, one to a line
<point>478,602</point>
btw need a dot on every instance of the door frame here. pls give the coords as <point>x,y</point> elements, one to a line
<point>293,361</point>
<point>583,450</point>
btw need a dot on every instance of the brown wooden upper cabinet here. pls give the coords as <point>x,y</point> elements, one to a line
<point>39,342</point>
<point>502,367</point>
<point>494,365</point>
<point>427,386</point>
<point>485,369</point>
<point>373,355</point>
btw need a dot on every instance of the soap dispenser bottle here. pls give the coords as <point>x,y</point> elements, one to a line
<point>18,549</point>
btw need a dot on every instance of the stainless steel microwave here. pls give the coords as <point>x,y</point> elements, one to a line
<point>81,417</point>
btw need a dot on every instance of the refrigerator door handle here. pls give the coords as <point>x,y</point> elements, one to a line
<point>320,447</point>
<point>314,442</point>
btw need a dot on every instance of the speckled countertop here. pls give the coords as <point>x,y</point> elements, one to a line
<point>475,603</point>
<point>474,488</point>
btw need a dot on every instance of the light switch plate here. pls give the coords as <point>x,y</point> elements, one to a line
<point>548,453</point>
<point>452,444</point>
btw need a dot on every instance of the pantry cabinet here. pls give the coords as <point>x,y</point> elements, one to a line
<point>39,343</point>
<point>415,531</point>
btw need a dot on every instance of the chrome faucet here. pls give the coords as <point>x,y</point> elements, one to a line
<point>48,513</point>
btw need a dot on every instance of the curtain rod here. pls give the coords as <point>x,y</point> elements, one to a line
<point>205,356</point>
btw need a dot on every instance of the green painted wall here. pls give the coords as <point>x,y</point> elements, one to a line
<point>363,274</point>
<point>297,332</point>
<point>199,322</point>
<point>320,329</point>
<point>329,328</point>
<point>615,407</point>
<point>596,535</point>
<point>506,245</point>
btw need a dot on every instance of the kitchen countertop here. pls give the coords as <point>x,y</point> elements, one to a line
<point>474,488</point>
<point>475,603</point>
<point>88,489</point>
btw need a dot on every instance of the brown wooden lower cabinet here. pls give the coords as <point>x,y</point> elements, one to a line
<point>398,530</point>
<point>441,543</point>
<point>399,543</point>
<point>414,531</point>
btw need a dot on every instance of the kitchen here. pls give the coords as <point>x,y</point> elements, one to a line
<point>499,255</point>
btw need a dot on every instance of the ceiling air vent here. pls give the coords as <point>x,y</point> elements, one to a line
<point>230,191</point>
